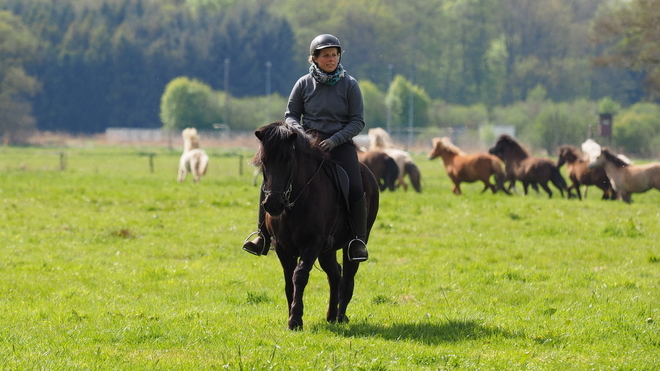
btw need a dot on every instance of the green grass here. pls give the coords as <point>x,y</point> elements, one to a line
<point>107,265</point>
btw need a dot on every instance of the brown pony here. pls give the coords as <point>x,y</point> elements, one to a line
<point>579,174</point>
<point>462,167</point>
<point>308,217</point>
<point>530,170</point>
<point>382,166</point>
<point>628,179</point>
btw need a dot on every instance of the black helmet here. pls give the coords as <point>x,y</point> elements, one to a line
<point>324,41</point>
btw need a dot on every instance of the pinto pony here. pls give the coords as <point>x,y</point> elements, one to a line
<point>194,159</point>
<point>462,167</point>
<point>530,170</point>
<point>626,178</point>
<point>307,215</point>
<point>580,174</point>
<point>380,140</point>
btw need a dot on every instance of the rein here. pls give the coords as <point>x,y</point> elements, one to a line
<point>286,194</point>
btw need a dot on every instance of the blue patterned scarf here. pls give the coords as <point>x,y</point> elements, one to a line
<point>327,78</point>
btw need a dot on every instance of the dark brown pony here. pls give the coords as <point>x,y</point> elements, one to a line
<point>382,166</point>
<point>530,170</point>
<point>462,167</point>
<point>579,174</point>
<point>307,216</point>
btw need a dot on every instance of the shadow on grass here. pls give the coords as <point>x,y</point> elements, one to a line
<point>424,332</point>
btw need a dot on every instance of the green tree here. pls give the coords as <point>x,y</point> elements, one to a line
<point>629,35</point>
<point>375,110</point>
<point>398,99</point>
<point>17,47</point>
<point>189,103</point>
<point>636,130</point>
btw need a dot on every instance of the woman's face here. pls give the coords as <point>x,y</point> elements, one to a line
<point>328,59</point>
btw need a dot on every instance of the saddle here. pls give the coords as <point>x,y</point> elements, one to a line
<point>340,179</point>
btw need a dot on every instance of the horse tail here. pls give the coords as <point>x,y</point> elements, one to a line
<point>415,176</point>
<point>203,163</point>
<point>391,173</point>
<point>558,180</point>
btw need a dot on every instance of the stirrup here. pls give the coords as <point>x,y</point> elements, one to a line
<point>255,252</point>
<point>357,258</point>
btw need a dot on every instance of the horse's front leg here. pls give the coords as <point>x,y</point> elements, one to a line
<point>329,264</point>
<point>288,263</point>
<point>299,279</point>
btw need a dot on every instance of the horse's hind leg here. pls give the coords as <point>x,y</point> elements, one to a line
<point>547,189</point>
<point>329,264</point>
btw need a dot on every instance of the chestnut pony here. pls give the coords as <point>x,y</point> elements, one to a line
<point>579,174</point>
<point>530,170</point>
<point>307,215</point>
<point>462,167</point>
<point>628,179</point>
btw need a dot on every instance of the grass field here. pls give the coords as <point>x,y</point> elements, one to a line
<point>108,265</point>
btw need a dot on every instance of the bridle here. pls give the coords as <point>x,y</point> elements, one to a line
<point>286,193</point>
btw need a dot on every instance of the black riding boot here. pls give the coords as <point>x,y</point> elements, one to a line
<point>357,248</point>
<point>261,244</point>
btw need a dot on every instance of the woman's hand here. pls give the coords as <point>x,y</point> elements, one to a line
<point>327,145</point>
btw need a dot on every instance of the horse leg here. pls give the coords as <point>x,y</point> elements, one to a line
<point>456,189</point>
<point>288,263</point>
<point>346,287</point>
<point>299,279</point>
<point>547,189</point>
<point>329,264</point>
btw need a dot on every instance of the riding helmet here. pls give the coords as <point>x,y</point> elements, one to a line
<point>324,41</point>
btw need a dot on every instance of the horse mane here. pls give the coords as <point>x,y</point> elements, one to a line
<point>449,146</point>
<point>609,156</point>
<point>570,149</point>
<point>509,141</point>
<point>272,136</point>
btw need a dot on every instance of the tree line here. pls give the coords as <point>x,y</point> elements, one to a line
<point>81,66</point>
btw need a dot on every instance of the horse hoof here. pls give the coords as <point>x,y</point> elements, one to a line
<point>295,325</point>
<point>342,318</point>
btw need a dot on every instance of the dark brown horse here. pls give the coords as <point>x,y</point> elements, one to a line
<point>382,166</point>
<point>462,167</point>
<point>530,170</point>
<point>307,216</point>
<point>579,174</point>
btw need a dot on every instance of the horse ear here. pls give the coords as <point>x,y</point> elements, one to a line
<point>293,136</point>
<point>259,134</point>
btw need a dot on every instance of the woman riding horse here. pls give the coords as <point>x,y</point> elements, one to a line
<point>327,102</point>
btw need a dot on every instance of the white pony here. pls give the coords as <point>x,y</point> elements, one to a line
<point>591,150</point>
<point>379,139</point>
<point>194,159</point>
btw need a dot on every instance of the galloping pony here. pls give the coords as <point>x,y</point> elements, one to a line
<point>580,174</point>
<point>194,159</point>
<point>530,170</point>
<point>380,140</point>
<point>307,215</point>
<point>382,166</point>
<point>626,178</point>
<point>462,167</point>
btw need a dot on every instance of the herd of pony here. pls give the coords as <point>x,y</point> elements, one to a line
<point>508,162</point>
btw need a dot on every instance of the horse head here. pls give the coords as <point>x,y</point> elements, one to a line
<point>567,154</point>
<point>607,156</point>
<point>507,146</point>
<point>277,159</point>
<point>443,146</point>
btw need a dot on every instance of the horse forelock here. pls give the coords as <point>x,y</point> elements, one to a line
<point>272,137</point>
<point>611,157</point>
